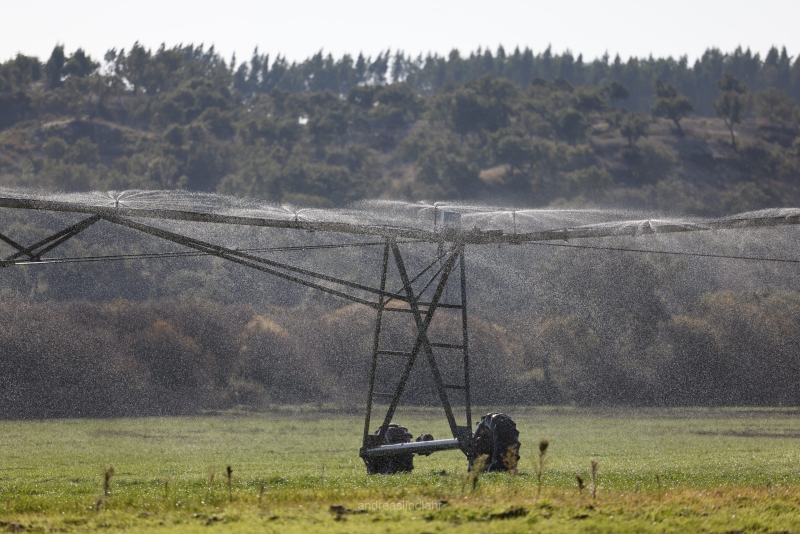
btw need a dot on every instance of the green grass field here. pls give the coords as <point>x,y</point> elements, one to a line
<point>718,470</point>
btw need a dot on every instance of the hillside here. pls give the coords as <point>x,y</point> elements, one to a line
<point>182,119</point>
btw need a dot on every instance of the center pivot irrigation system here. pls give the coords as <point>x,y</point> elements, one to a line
<point>388,449</point>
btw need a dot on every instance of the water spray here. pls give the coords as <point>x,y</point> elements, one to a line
<point>389,448</point>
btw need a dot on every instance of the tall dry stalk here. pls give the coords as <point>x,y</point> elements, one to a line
<point>593,464</point>
<point>211,474</point>
<point>107,474</point>
<point>166,492</point>
<point>229,472</point>
<point>261,487</point>
<point>543,444</point>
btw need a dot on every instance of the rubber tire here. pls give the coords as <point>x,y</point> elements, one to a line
<point>398,463</point>
<point>494,436</point>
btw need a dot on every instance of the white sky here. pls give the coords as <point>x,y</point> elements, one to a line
<point>300,28</point>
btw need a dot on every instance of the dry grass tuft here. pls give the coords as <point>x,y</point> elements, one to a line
<point>472,477</point>
<point>510,461</point>
<point>579,478</point>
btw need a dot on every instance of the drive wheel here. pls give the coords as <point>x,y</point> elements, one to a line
<point>497,437</point>
<point>396,463</point>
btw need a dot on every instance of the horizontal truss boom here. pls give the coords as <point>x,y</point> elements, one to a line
<point>472,236</point>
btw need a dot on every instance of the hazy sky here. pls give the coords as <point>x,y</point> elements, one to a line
<point>300,28</point>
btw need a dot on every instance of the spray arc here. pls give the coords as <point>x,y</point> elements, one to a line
<point>422,294</point>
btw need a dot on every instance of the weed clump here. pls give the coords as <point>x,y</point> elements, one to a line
<point>579,479</point>
<point>107,474</point>
<point>510,460</point>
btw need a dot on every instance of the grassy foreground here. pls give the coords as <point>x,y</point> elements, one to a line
<point>298,470</point>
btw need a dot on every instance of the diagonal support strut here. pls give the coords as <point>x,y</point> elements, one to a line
<point>422,326</point>
<point>40,248</point>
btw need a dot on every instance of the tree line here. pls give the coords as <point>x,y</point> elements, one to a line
<point>154,71</point>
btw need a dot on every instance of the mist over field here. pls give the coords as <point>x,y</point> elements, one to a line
<point>550,323</point>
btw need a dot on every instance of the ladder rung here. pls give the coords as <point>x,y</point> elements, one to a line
<point>423,305</point>
<point>452,386</point>
<point>448,306</point>
<point>394,352</point>
<point>447,346</point>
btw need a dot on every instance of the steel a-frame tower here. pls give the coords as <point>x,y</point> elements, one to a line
<point>374,445</point>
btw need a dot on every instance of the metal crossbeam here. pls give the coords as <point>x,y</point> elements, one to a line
<point>11,242</point>
<point>261,264</point>
<point>42,247</point>
<point>474,236</point>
